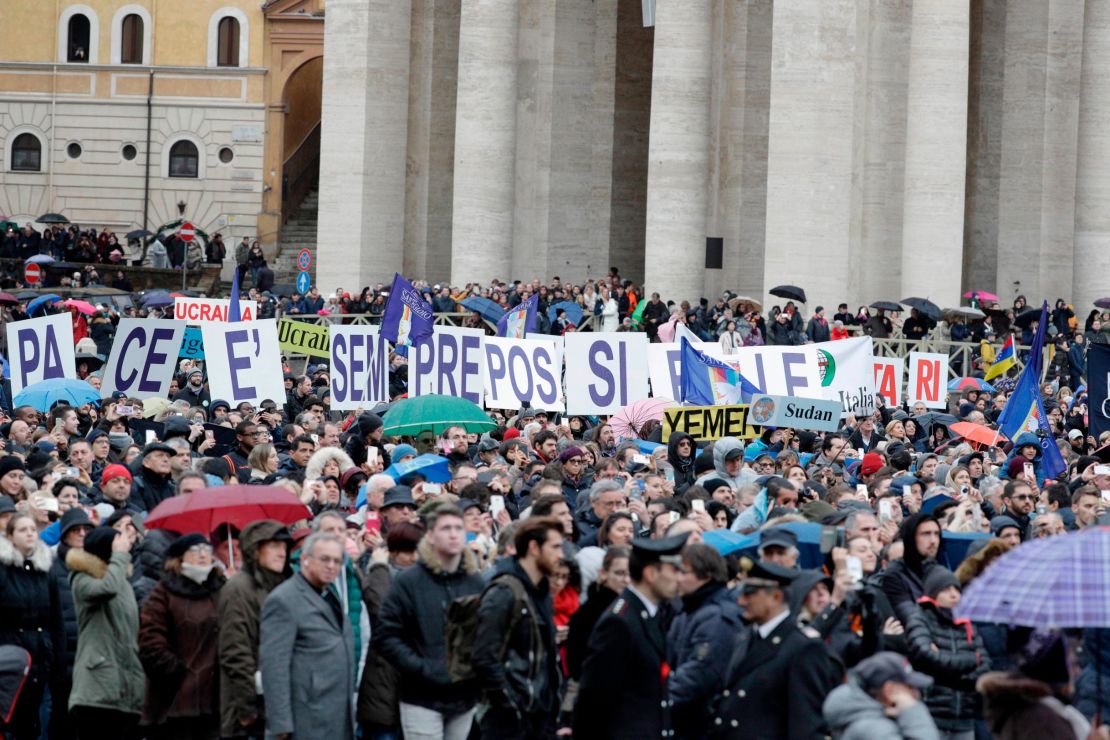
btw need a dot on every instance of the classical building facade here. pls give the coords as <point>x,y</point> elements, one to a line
<point>127,115</point>
<point>863,149</point>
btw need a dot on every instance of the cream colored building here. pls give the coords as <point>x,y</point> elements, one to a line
<point>126,114</point>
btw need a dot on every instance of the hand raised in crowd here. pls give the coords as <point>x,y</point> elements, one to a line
<point>893,627</point>
<point>888,531</point>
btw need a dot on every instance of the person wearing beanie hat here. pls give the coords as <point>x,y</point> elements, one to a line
<point>949,650</point>
<point>1006,529</point>
<point>366,431</point>
<point>12,474</point>
<point>402,452</point>
<point>107,674</point>
<point>872,463</point>
<point>184,604</point>
<point>115,489</point>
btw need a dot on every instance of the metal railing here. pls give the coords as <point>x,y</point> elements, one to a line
<point>961,355</point>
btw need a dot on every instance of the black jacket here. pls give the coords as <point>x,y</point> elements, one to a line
<point>411,632</point>
<point>774,686</point>
<point>582,625</point>
<point>30,612</point>
<point>903,581</point>
<point>950,651</point>
<point>520,675</point>
<point>59,575</point>
<point>148,489</point>
<point>588,524</point>
<point>699,646</point>
<point>623,692</point>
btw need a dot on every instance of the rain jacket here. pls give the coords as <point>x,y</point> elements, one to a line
<point>852,714</point>
<point>683,466</point>
<point>107,673</point>
<point>1026,438</point>
<point>240,613</point>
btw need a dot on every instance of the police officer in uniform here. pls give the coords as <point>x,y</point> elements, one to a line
<point>779,674</point>
<point>623,692</point>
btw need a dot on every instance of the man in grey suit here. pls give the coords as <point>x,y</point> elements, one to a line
<point>307,650</point>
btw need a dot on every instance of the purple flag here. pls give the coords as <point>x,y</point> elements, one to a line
<point>408,317</point>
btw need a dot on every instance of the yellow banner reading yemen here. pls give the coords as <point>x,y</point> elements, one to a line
<point>302,338</point>
<point>705,423</point>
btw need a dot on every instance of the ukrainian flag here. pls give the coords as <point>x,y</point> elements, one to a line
<point>1004,361</point>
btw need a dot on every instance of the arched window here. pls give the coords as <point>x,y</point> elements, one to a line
<point>184,160</point>
<point>227,43</point>
<point>78,38</point>
<point>131,43</point>
<point>26,153</point>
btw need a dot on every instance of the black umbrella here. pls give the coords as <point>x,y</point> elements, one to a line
<point>138,234</point>
<point>284,289</point>
<point>790,292</point>
<point>887,305</point>
<point>93,361</point>
<point>1103,303</point>
<point>925,307</point>
<point>27,295</point>
<point>52,218</point>
<point>1026,318</point>
<point>929,418</point>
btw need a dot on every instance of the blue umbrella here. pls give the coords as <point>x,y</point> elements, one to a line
<point>40,259</point>
<point>574,311</point>
<point>156,299</point>
<point>41,301</point>
<point>809,542</point>
<point>44,394</point>
<point>484,307</point>
<point>433,467</point>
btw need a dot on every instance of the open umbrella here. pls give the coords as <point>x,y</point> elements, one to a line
<point>790,292</point>
<point>44,394</point>
<point>981,295</point>
<point>1103,303</point>
<point>929,418</point>
<point>39,259</point>
<point>809,539</point>
<point>27,295</point>
<point>627,422</point>
<point>284,289</point>
<point>42,300</point>
<point>436,413</point>
<point>156,299</point>
<point>574,311</point>
<point>484,307</point>
<point>138,234</point>
<point>83,306</point>
<point>52,218</point>
<point>743,304</point>
<point>970,384</point>
<point>154,406</point>
<point>7,299</point>
<point>206,510</point>
<point>93,362</point>
<point>1026,318</point>
<point>977,433</point>
<point>433,467</point>
<point>925,307</point>
<point>964,312</point>
<point>887,306</point>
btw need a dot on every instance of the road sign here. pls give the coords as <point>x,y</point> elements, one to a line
<point>304,282</point>
<point>304,259</point>
<point>187,232</point>
<point>32,274</point>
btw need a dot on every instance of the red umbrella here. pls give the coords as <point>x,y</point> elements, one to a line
<point>202,512</point>
<point>981,295</point>
<point>7,299</point>
<point>628,421</point>
<point>977,433</point>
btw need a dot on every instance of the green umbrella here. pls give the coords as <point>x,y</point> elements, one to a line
<point>435,412</point>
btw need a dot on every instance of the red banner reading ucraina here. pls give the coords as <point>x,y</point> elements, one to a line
<point>203,310</point>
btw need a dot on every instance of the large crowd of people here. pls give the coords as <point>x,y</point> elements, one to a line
<point>558,580</point>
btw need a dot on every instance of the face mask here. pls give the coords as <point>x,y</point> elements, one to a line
<point>196,573</point>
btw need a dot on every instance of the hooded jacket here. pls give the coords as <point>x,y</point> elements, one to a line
<point>852,714</point>
<point>107,673</point>
<point>904,580</point>
<point>951,651</point>
<point>683,466</point>
<point>721,448</point>
<point>314,469</point>
<point>1017,707</point>
<point>239,607</point>
<point>412,632</point>
<point>1023,439</point>
<point>30,609</point>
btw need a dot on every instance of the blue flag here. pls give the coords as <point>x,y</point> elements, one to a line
<point>519,320</point>
<point>233,313</point>
<point>1024,410</point>
<point>1098,390</point>
<point>408,317</point>
<point>710,382</point>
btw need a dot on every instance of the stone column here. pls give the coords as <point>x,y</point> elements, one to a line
<point>1040,121</point>
<point>1092,206</point>
<point>936,145</point>
<point>363,143</point>
<point>485,142</point>
<point>678,150</point>
<point>810,150</point>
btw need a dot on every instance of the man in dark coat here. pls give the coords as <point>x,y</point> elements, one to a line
<point>153,483</point>
<point>904,580</point>
<point>623,693</point>
<point>778,675</point>
<point>700,639</point>
<point>75,524</point>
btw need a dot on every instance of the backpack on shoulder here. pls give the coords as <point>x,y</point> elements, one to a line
<point>462,625</point>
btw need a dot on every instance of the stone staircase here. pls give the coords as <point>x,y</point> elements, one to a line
<point>298,233</point>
